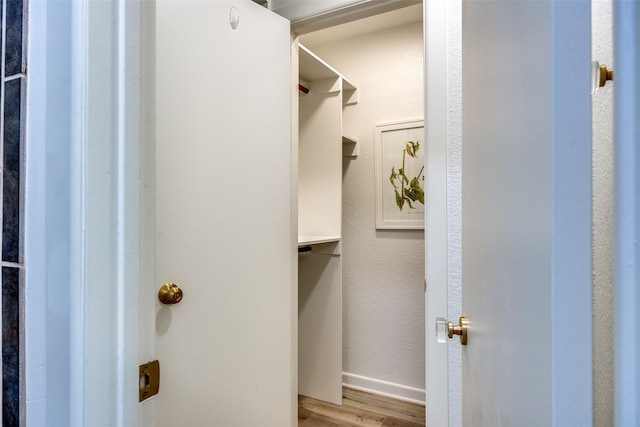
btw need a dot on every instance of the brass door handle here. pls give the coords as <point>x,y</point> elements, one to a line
<point>461,329</point>
<point>446,329</point>
<point>170,293</point>
<point>605,75</point>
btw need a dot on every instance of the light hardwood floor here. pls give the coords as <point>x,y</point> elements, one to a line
<point>359,409</point>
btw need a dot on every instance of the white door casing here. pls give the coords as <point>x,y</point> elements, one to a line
<point>82,214</point>
<point>442,407</point>
<point>224,215</point>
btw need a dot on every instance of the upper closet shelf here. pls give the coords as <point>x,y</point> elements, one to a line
<point>315,240</point>
<point>312,68</point>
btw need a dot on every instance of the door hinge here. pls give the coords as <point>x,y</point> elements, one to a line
<point>149,380</point>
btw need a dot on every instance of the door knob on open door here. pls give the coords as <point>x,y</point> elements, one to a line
<point>444,329</point>
<point>170,293</point>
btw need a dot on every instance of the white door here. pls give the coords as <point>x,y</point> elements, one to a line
<point>223,215</point>
<point>526,213</point>
<point>515,215</point>
<point>626,27</point>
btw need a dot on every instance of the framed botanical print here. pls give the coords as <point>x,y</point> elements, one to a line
<point>399,163</point>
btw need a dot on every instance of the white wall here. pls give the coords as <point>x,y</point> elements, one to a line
<point>383,271</point>
<point>602,104</point>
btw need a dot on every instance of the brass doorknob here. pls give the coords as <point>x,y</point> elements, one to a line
<point>170,293</point>
<point>605,75</point>
<point>460,329</point>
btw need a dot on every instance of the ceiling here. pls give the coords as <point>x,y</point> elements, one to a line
<point>372,24</point>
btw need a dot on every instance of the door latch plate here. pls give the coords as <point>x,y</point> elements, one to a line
<point>149,380</point>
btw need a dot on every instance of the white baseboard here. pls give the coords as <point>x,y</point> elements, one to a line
<point>384,388</point>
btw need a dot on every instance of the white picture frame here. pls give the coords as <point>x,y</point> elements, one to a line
<point>399,175</point>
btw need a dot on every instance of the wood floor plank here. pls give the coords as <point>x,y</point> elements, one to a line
<point>319,421</point>
<point>303,413</point>
<point>385,406</point>
<point>359,409</point>
<point>383,401</point>
<point>396,422</point>
<point>344,415</point>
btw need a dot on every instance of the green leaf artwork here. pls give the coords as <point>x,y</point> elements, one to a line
<point>408,191</point>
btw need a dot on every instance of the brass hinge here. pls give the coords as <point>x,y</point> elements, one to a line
<point>149,380</point>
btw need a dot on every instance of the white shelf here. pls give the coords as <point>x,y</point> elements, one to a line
<point>320,151</point>
<point>313,68</point>
<point>315,72</point>
<point>316,240</point>
<point>350,147</point>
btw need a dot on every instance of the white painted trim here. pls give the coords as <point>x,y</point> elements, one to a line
<point>77,221</point>
<point>104,200</point>
<point>626,28</point>
<point>47,215</point>
<point>384,388</point>
<point>436,243</point>
<point>148,288</point>
<point>81,213</point>
<point>295,108</point>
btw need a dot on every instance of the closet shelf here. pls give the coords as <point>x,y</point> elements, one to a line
<point>313,69</point>
<point>320,170</point>
<point>350,146</point>
<point>315,240</point>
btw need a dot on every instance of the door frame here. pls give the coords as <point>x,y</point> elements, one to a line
<point>443,257</point>
<point>47,201</point>
<point>82,213</point>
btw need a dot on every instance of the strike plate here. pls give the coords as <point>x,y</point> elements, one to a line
<point>149,379</point>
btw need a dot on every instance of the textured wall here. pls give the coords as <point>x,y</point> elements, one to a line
<point>383,270</point>
<point>454,202</point>
<point>602,103</point>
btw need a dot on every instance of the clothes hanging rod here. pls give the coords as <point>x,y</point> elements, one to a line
<point>303,89</point>
<point>303,249</point>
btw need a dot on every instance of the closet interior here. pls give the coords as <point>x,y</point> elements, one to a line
<point>360,289</point>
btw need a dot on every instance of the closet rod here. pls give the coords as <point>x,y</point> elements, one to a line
<point>303,89</point>
<point>303,249</point>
